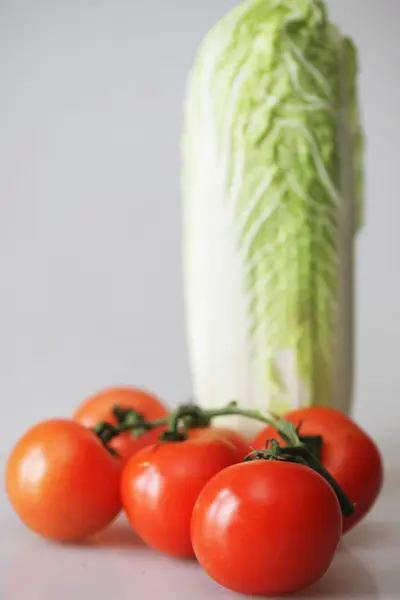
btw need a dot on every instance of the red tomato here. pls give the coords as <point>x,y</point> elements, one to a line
<point>62,482</point>
<point>266,527</point>
<point>160,485</point>
<point>348,453</point>
<point>234,437</point>
<point>99,408</point>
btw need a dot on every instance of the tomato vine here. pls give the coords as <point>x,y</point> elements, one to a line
<point>301,449</point>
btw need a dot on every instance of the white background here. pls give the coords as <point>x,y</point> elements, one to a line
<point>90,273</point>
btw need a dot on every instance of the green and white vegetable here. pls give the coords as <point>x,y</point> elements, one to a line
<point>272,184</point>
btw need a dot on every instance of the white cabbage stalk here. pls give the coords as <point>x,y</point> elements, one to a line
<point>272,186</point>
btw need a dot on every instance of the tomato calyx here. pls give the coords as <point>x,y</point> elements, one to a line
<point>185,417</point>
<point>273,451</point>
<point>127,419</point>
<point>299,453</point>
<point>192,416</point>
<point>130,420</point>
<point>105,433</point>
<point>173,436</point>
<point>313,442</point>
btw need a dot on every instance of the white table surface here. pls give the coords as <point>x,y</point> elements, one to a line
<point>116,566</point>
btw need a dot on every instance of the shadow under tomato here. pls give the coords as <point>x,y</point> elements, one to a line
<point>348,577</point>
<point>374,534</point>
<point>377,530</point>
<point>118,535</point>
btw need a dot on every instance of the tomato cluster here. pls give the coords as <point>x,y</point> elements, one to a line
<point>254,514</point>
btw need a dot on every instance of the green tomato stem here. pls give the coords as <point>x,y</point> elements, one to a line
<point>198,417</point>
<point>345,504</point>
